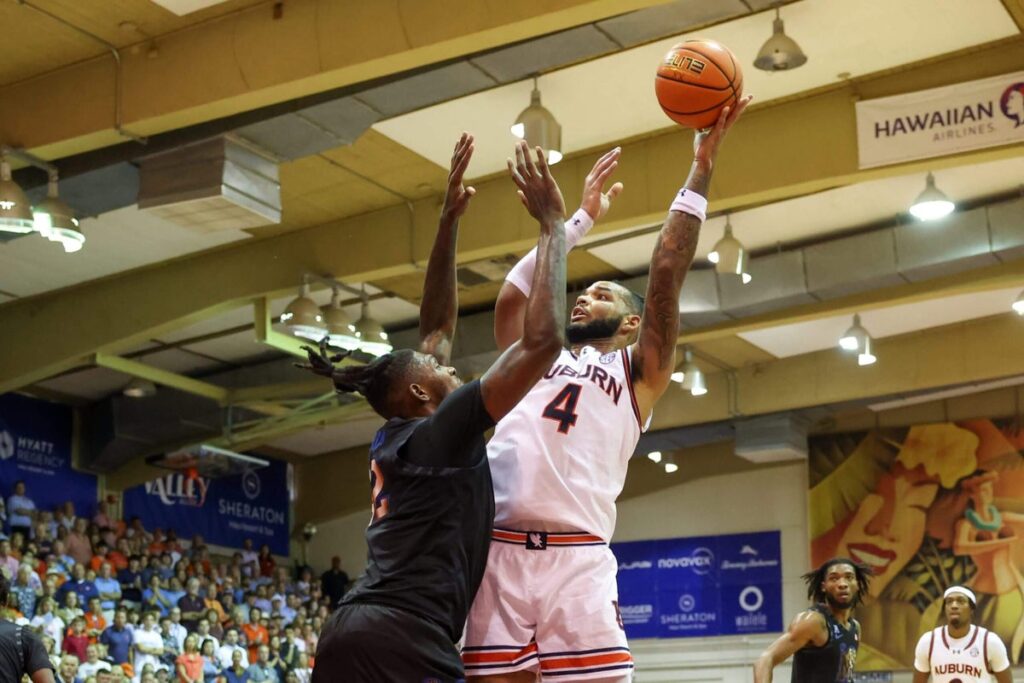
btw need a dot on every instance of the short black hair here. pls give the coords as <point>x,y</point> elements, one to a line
<point>634,302</point>
<point>376,379</point>
<point>815,578</point>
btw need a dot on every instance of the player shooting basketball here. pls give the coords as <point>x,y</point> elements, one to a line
<point>432,501</point>
<point>548,601</point>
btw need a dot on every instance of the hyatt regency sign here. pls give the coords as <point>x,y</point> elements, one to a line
<point>941,121</point>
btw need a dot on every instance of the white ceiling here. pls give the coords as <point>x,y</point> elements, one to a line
<point>799,338</point>
<point>612,98</point>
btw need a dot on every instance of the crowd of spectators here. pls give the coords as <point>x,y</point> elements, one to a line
<point>113,601</point>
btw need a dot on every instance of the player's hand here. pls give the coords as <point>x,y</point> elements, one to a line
<point>595,200</point>
<point>537,187</point>
<point>457,197</point>
<point>705,142</point>
<point>321,361</point>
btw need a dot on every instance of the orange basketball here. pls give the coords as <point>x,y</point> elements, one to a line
<point>696,80</point>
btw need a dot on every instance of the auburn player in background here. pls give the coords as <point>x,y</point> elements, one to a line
<point>960,650</point>
<point>549,603</point>
<point>432,501</point>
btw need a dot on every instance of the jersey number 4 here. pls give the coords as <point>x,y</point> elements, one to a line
<point>562,408</point>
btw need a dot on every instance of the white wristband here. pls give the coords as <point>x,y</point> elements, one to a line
<point>692,203</point>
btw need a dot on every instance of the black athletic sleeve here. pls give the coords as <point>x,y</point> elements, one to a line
<point>35,653</point>
<point>451,436</point>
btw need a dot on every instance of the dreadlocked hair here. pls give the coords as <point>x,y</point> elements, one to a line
<point>815,579</point>
<point>376,379</point>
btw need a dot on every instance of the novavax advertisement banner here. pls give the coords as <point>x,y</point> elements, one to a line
<point>35,447</point>
<point>702,586</point>
<point>225,510</point>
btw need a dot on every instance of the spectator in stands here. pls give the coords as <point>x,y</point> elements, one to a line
<point>76,640</point>
<point>21,511</point>
<point>101,519</point>
<point>211,669</point>
<point>226,652</point>
<point>155,597</point>
<point>261,670</point>
<point>24,593</point>
<point>303,671</point>
<point>95,621</point>
<point>79,584</point>
<point>99,555</point>
<point>71,605</point>
<point>178,630</point>
<point>203,631</point>
<point>109,589</point>
<point>41,536</point>
<point>174,591</point>
<point>334,582</point>
<point>274,658</point>
<point>266,561</point>
<point>216,630</point>
<point>238,672</point>
<point>69,669</point>
<point>120,555</point>
<point>118,638</point>
<point>255,633</point>
<point>249,559</point>
<point>63,562</point>
<point>189,664</point>
<point>130,579</point>
<point>8,562</point>
<point>92,663</point>
<point>148,643</point>
<point>78,544</point>
<point>48,623</point>
<point>171,646</point>
<point>193,607</point>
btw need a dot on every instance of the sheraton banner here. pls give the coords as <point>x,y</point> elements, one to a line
<point>941,121</point>
<point>925,507</point>
<point>225,510</point>
<point>35,447</point>
<point>701,586</point>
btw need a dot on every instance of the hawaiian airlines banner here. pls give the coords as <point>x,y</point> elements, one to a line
<point>941,121</point>
<point>35,447</point>
<point>225,510</point>
<point>701,586</point>
<point>925,507</point>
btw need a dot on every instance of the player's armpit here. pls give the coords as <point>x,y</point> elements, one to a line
<point>808,628</point>
<point>922,677</point>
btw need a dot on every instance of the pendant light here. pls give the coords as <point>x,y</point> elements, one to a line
<point>729,255</point>
<point>693,377</point>
<point>858,340</point>
<point>670,464</point>
<point>56,221</point>
<point>1018,305</point>
<point>15,211</point>
<point>932,204</point>
<point>339,326</point>
<point>539,128</point>
<point>372,337</point>
<point>303,317</point>
<point>780,52</point>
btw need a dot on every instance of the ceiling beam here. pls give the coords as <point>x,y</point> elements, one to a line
<point>778,150</point>
<point>1015,8</point>
<point>162,377</point>
<point>223,67</point>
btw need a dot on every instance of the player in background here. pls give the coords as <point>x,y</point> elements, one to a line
<point>961,651</point>
<point>560,458</point>
<point>822,640</point>
<point>432,502</point>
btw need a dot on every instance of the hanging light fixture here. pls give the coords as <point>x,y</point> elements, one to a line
<point>729,255</point>
<point>372,337</point>
<point>670,465</point>
<point>15,211</point>
<point>693,377</point>
<point>858,340</point>
<point>780,52</point>
<point>139,388</point>
<point>932,203</point>
<point>303,317</point>
<point>56,221</point>
<point>654,456</point>
<point>339,326</point>
<point>1018,305</point>
<point>539,128</point>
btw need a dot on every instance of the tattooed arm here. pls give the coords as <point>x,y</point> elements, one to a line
<point>654,353</point>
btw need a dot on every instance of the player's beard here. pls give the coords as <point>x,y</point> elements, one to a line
<point>836,603</point>
<point>603,328</point>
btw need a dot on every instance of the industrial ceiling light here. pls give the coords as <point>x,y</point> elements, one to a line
<point>339,326</point>
<point>780,52</point>
<point>729,256</point>
<point>654,456</point>
<point>1018,305</point>
<point>932,203</point>
<point>372,337</point>
<point>866,356</point>
<point>693,377</point>
<point>139,388</point>
<point>670,465</point>
<point>303,317</point>
<point>858,340</point>
<point>56,221</point>
<point>539,128</point>
<point>15,211</point>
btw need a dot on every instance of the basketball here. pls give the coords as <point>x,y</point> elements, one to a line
<point>695,80</point>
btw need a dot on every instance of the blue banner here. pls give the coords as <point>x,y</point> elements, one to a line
<point>225,510</point>
<point>35,447</point>
<point>702,586</point>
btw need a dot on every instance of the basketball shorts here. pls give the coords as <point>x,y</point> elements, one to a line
<point>548,603</point>
<point>363,643</point>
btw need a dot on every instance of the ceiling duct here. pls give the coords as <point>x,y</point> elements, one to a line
<point>772,438</point>
<point>217,184</point>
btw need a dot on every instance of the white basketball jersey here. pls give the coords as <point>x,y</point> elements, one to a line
<point>970,659</point>
<point>561,455</point>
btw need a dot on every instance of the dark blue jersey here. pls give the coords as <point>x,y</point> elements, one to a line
<point>433,509</point>
<point>833,662</point>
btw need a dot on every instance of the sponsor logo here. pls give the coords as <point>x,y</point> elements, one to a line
<point>179,489</point>
<point>687,602</point>
<point>536,540</point>
<point>251,484</point>
<point>751,599</point>
<point>974,652</point>
<point>608,358</point>
<point>1012,104</point>
<point>744,565</point>
<point>747,550</point>
<point>639,564</point>
<point>6,445</point>
<point>700,561</point>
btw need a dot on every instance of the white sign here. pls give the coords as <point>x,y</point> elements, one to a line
<point>941,121</point>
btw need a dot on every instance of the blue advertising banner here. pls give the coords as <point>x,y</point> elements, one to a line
<point>225,510</point>
<point>702,586</point>
<point>35,447</point>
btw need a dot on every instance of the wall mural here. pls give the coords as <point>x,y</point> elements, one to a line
<point>926,508</point>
